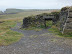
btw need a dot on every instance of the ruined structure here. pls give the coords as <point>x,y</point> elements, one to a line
<point>33,21</point>
<point>66,21</point>
<point>37,21</point>
<point>48,18</point>
<point>64,17</point>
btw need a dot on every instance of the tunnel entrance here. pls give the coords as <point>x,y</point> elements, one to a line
<point>49,23</point>
<point>49,20</point>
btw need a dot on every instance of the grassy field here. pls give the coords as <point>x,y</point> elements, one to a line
<point>8,21</point>
<point>23,14</point>
<point>8,36</point>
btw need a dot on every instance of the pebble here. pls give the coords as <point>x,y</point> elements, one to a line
<point>14,49</point>
<point>2,47</point>
<point>19,48</point>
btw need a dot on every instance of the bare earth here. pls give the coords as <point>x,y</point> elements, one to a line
<point>38,42</point>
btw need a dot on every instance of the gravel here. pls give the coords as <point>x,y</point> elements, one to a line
<point>38,42</point>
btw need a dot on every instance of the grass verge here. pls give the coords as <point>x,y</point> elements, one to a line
<point>8,36</point>
<point>55,30</point>
<point>32,28</point>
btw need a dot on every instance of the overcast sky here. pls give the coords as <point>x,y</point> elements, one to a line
<point>34,4</point>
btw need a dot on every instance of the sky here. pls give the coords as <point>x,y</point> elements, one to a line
<point>34,4</point>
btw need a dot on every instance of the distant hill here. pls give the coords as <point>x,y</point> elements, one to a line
<point>12,11</point>
<point>1,12</point>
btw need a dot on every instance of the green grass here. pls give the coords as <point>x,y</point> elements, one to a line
<point>56,31</point>
<point>32,28</point>
<point>8,36</point>
<point>49,23</point>
<point>23,14</point>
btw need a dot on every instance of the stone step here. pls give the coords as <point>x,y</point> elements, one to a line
<point>70,10</point>
<point>69,20</point>
<point>70,14</point>
<point>67,30</point>
<point>70,23</point>
<point>69,17</point>
<point>68,26</point>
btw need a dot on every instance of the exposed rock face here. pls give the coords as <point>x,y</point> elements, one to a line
<point>66,21</point>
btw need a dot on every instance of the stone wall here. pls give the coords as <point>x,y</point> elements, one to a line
<point>66,21</point>
<point>33,21</point>
<point>38,20</point>
<point>64,18</point>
